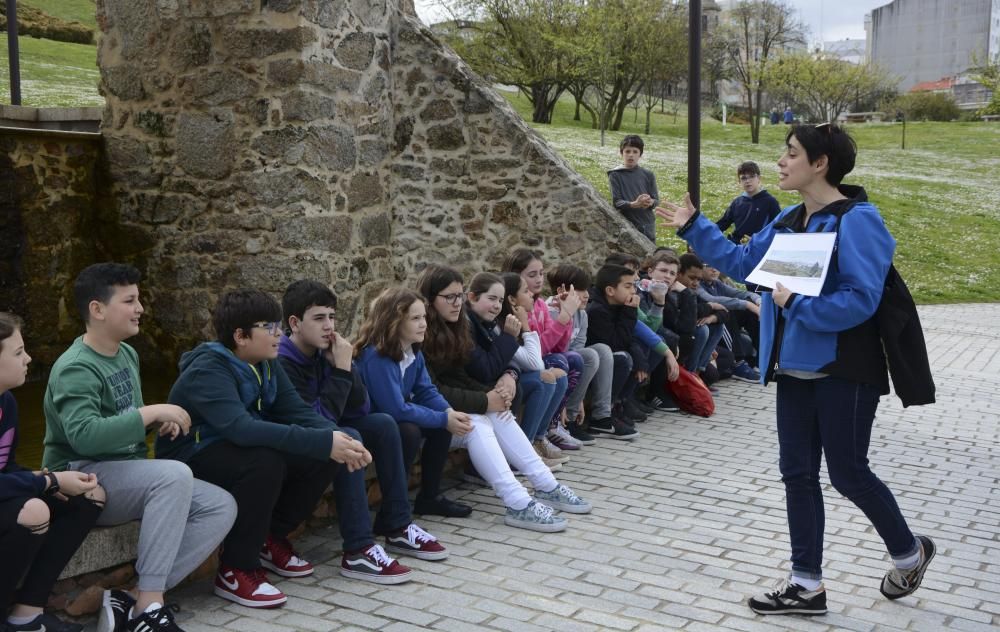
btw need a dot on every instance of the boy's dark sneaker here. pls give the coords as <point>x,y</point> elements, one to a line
<point>643,405</point>
<point>44,622</point>
<point>632,412</point>
<point>160,620</point>
<point>415,542</point>
<point>614,428</point>
<point>441,506</point>
<point>115,606</point>
<point>789,598</point>
<point>897,583</point>
<point>745,373</point>
<point>248,588</point>
<point>580,433</point>
<point>665,403</point>
<point>373,564</point>
<point>278,555</point>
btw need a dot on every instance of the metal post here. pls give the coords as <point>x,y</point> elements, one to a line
<point>904,133</point>
<point>12,53</point>
<point>694,101</point>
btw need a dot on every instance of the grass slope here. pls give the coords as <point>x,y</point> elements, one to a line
<point>940,197</point>
<point>83,11</point>
<point>52,73</point>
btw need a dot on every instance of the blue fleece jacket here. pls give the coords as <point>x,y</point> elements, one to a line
<point>748,214</point>
<point>249,406</point>
<point>408,396</point>
<point>15,481</point>
<point>850,294</point>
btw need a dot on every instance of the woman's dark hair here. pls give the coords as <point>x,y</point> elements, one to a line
<point>444,343</point>
<point>565,275</point>
<point>830,140</point>
<point>632,140</point>
<point>520,259</point>
<point>97,283</point>
<point>511,285</point>
<point>386,315</point>
<point>9,323</point>
<point>303,294</point>
<point>240,309</point>
<point>482,282</point>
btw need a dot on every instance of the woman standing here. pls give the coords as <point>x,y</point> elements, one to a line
<point>826,356</point>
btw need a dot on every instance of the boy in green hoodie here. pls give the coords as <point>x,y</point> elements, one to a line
<point>97,422</point>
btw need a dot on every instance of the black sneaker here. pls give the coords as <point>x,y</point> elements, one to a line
<point>161,620</point>
<point>789,598</point>
<point>441,506</point>
<point>643,406</point>
<point>580,433</point>
<point>44,622</point>
<point>897,584</point>
<point>632,412</point>
<point>115,606</point>
<point>614,428</point>
<point>665,403</point>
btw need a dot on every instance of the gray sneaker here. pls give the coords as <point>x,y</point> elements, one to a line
<point>563,499</point>
<point>536,517</point>
<point>897,583</point>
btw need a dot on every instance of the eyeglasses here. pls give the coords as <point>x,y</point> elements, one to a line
<point>453,299</point>
<point>273,328</point>
<point>747,177</point>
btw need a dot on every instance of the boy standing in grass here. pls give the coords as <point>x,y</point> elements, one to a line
<point>633,189</point>
<point>96,423</point>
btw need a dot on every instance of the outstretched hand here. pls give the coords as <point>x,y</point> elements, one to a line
<point>675,215</point>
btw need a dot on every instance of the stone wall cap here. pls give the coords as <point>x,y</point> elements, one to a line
<point>24,113</point>
<point>11,128</point>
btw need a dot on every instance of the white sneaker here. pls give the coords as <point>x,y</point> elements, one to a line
<point>546,450</point>
<point>560,437</point>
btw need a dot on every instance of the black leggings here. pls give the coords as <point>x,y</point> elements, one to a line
<point>42,556</point>
<point>432,458</point>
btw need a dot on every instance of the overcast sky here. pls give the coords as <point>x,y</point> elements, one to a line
<point>831,19</point>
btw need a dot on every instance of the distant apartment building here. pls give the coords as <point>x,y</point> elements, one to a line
<point>849,50</point>
<point>926,40</point>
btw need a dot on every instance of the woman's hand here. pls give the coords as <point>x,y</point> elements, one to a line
<point>459,424</point>
<point>780,295</point>
<point>675,215</point>
<point>75,483</point>
<point>512,326</point>
<point>522,316</point>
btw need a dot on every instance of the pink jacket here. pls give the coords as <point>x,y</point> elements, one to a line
<point>554,335</point>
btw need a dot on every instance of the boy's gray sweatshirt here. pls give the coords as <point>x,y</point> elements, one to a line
<point>626,186</point>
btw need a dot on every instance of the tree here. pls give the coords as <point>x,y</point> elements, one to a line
<point>988,74</point>
<point>926,106</point>
<point>756,32</point>
<point>521,43</point>
<point>825,86</point>
<point>663,62</point>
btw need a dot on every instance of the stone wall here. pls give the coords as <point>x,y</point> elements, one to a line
<point>49,223</point>
<point>253,142</point>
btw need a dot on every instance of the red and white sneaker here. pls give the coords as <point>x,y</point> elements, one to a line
<point>278,555</point>
<point>374,565</point>
<point>415,542</point>
<point>247,588</point>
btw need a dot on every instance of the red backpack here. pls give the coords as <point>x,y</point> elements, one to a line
<point>691,394</point>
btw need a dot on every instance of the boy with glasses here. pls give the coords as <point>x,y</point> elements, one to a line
<point>253,435</point>
<point>752,210</point>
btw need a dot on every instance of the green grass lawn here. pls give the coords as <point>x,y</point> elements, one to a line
<point>940,197</point>
<point>52,73</point>
<point>83,11</point>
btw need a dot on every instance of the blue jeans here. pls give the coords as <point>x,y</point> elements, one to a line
<point>833,417</point>
<point>380,434</point>
<point>715,331</point>
<point>540,402</point>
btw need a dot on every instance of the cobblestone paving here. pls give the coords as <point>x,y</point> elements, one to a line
<point>690,519</point>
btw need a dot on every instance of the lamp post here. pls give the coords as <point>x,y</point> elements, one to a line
<point>12,53</point>
<point>694,101</point>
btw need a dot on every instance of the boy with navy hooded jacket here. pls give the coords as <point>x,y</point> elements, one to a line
<point>252,435</point>
<point>318,361</point>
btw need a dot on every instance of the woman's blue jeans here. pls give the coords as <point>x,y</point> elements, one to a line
<point>833,417</point>
<point>540,401</point>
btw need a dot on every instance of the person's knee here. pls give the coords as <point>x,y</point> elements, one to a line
<point>171,474</point>
<point>34,515</point>
<point>97,496</point>
<point>849,484</point>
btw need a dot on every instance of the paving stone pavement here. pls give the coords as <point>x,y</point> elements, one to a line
<point>690,519</point>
